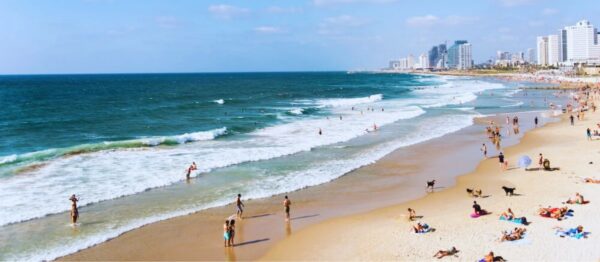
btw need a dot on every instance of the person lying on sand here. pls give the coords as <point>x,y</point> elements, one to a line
<point>554,212</point>
<point>516,234</point>
<point>578,200</point>
<point>491,258</point>
<point>577,232</point>
<point>508,214</point>
<point>443,253</point>
<point>422,228</point>
<point>591,180</point>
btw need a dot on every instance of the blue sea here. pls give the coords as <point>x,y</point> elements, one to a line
<point>123,142</point>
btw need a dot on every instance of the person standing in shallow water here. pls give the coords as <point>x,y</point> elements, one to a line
<point>484,150</point>
<point>74,210</point>
<point>286,207</point>
<point>535,121</point>
<point>501,160</point>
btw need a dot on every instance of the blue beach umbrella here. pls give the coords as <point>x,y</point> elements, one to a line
<point>524,161</point>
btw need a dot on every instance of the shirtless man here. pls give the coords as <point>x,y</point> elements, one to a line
<point>484,150</point>
<point>286,207</point>
<point>240,205</point>
<point>74,210</point>
<point>442,253</point>
<point>190,169</point>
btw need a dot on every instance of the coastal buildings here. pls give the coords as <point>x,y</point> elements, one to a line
<point>576,44</point>
<point>438,56</point>
<point>530,56</point>
<point>542,50</point>
<point>453,54</point>
<point>458,56</point>
<point>465,56</point>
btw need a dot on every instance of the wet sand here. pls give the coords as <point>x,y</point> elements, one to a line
<point>386,234</point>
<point>397,178</point>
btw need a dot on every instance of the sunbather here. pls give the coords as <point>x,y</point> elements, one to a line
<point>516,234</point>
<point>508,215</point>
<point>591,180</point>
<point>442,253</point>
<point>411,214</point>
<point>576,232</point>
<point>578,200</point>
<point>422,228</point>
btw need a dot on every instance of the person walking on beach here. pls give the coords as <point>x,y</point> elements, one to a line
<point>484,150</point>
<point>286,207</point>
<point>240,205</point>
<point>74,210</point>
<point>589,134</point>
<point>572,120</point>
<point>501,160</point>
<point>541,162</point>
<point>535,121</point>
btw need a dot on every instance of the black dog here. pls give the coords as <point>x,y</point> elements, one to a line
<point>509,191</point>
<point>430,184</point>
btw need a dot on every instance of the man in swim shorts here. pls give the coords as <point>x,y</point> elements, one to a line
<point>286,207</point>
<point>240,205</point>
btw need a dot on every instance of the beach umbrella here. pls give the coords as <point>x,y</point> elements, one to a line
<point>524,161</point>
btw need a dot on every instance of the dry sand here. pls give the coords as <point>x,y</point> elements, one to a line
<point>385,234</point>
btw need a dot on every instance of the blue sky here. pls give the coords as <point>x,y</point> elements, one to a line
<point>108,36</point>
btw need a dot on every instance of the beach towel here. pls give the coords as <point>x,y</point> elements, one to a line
<point>514,220</point>
<point>572,233</point>
<point>475,215</point>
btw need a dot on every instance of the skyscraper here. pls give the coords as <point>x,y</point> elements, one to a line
<point>582,42</point>
<point>453,53</point>
<point>433,56</point>
<point>553,50</point>
<point>465,56</point>
<point>542,50</point>
<point>531,56</point>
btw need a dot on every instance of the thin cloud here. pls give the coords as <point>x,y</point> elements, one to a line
<point>227,11</point>
<point>338,25</point>
<point>513,3</point>
<point>536,23</point>
<point>167,21</point>
<point>549,11</point>
<point>432,20</point>
<point>268,30</point>
<point>283,10</point>
<point>335,2</point>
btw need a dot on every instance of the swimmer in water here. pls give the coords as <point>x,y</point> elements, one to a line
<point>74,210</point>
<point>320,131</point>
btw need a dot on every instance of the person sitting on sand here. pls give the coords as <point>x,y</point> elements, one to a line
<point>578,200</point>
<point>508,214</point>
<point>411,214</point>
<point>443,253</point>
<point>591,180</point>
<point>477,209</point>
<point>516,234</point>
<point>74,209</point>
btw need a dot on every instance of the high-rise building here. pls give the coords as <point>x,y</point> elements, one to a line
<point>411,61</point>
<point>563,45</point>
<point>453,53</point>
<point>423,61</point>
<point>531,56</point>
<point>553,50</point>
<point>433,56</point>
<point>582,42</point>
<point>465,56</point>
<point>542,50</point>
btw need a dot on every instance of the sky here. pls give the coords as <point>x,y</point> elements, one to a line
<point>137,36</point>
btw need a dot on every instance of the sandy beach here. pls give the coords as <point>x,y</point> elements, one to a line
<point>386,234</point>
<point>371,191</point>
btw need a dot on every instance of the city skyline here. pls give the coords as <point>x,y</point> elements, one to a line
<point>104,36</point>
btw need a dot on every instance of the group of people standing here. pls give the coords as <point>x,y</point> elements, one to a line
<point>229,226</point>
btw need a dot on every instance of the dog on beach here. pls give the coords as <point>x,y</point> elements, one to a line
<point>474,193</point>
<point>430,184</point>
<point>509,191</point>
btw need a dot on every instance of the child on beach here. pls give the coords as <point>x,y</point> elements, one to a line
<point>239,205</point>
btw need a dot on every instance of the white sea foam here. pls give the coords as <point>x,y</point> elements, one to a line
<point>338,102</point>
<point>8,159</point>
<point>219,101</point>
<point>296,111</point>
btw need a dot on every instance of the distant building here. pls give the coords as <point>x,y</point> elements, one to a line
<point>542,50</point>
<point>423,61</point>
<point>553,50</point>
<point>453,53</point>
<point>465,56</point>
<point>582,42</point>
<point>531,56</point>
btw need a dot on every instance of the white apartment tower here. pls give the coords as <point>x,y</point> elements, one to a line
<point>465,56</point>
<point>424,61</point>
<point>553,50</point>
<point>582,42</point>
<point>531,56</point>
<point>542,50</point>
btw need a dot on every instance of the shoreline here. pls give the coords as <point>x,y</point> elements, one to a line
<point>385,234</point>
<point>203,228</point>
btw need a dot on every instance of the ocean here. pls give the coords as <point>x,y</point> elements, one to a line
<point>122,143</point>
